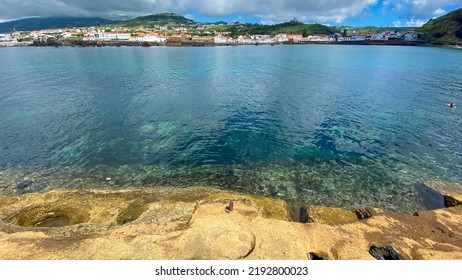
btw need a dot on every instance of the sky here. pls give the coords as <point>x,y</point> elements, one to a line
<point>390,13</point>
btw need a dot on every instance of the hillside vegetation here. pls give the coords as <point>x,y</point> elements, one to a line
<point>292,27</point>
<point>29,24</point>
<point>446,30</point>
<point>165,19</point>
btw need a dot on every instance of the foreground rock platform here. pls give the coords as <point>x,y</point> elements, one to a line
<point>197,223</point>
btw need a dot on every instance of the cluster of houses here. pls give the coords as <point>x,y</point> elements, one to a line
<point>224,38</point>
<point>219,38</point>
<point>10,38</point>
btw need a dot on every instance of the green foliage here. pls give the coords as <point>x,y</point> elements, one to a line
<point>445,30</point>
<point>348,30</point>
<point>25,40</point>
<point>54,42</point>
<point>219,28</point>
<point>74,38</point>
<point>234,32</point>
<point>292,27</point>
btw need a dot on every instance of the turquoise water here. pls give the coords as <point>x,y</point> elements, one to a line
<point>337,125</point>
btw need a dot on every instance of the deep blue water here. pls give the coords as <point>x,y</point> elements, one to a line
<point>337,125</point>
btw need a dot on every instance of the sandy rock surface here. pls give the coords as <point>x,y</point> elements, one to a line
<point>193,223</point>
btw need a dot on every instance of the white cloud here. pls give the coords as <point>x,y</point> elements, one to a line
<point>397,23</point>
<point>429,8</point>
<point>389,6</point>
<point>439,12</point>
<point>189,16</point>
<point>270,10</point>
<point>268,22</point>
<point>325,11</point>
<point>398,7</point>
<point>418,12</point>
<point>415,22</point>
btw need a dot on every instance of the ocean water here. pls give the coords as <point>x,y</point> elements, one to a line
<point>345,126</point>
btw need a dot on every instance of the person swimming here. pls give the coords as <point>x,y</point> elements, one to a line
<point>452,105</point>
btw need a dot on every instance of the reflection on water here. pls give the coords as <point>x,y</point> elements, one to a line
<point>336,125</point>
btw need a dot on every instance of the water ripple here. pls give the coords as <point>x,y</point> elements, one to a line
<point>322,124</point>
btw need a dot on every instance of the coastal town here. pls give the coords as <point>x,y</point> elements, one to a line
<point>177,36</point>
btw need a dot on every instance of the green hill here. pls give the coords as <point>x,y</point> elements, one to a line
<point>445,30</point>
<point>291,27</point>
<point>370,29</point>
<point>165,19</point>
<point>29,24</point>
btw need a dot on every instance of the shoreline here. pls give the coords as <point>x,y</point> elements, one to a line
<point>83,44</point>
<point>403,196</point>
<point>202,223</point>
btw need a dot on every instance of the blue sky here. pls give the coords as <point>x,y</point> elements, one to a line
<point>376,13</point>
<point>330,12</point>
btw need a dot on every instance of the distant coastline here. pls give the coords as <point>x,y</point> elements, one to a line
<point>64,43</point>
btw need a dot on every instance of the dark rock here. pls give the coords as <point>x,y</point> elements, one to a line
<point>387,253</point>
<point>303,215</point>
<point>230,207</point>
<point>363,213</point>
<point>451,200</point>
<point>315,257</point>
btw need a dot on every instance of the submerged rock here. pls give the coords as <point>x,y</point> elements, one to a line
<point>326,215</point>
<point>431,199</point>
<point>21,187</point>
<point>28,186</point>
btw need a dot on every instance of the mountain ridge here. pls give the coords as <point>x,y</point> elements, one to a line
<point>40,23</point>
<point>169,19</point>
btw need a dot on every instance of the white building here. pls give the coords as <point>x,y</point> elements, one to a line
<point>345,39</point>
<point>358,37</point>
<point>69,34</point>
<point>245,40</point>
<point>223,40</point>
<point>281,38</point>
<point>264,39</point>
<point>111,36</point>
<point>380,37</point>
<point>318,38</point>
<point>7,38</point>
<point>395,35</point>
<point>410,36</point>
<point>153,38</point>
